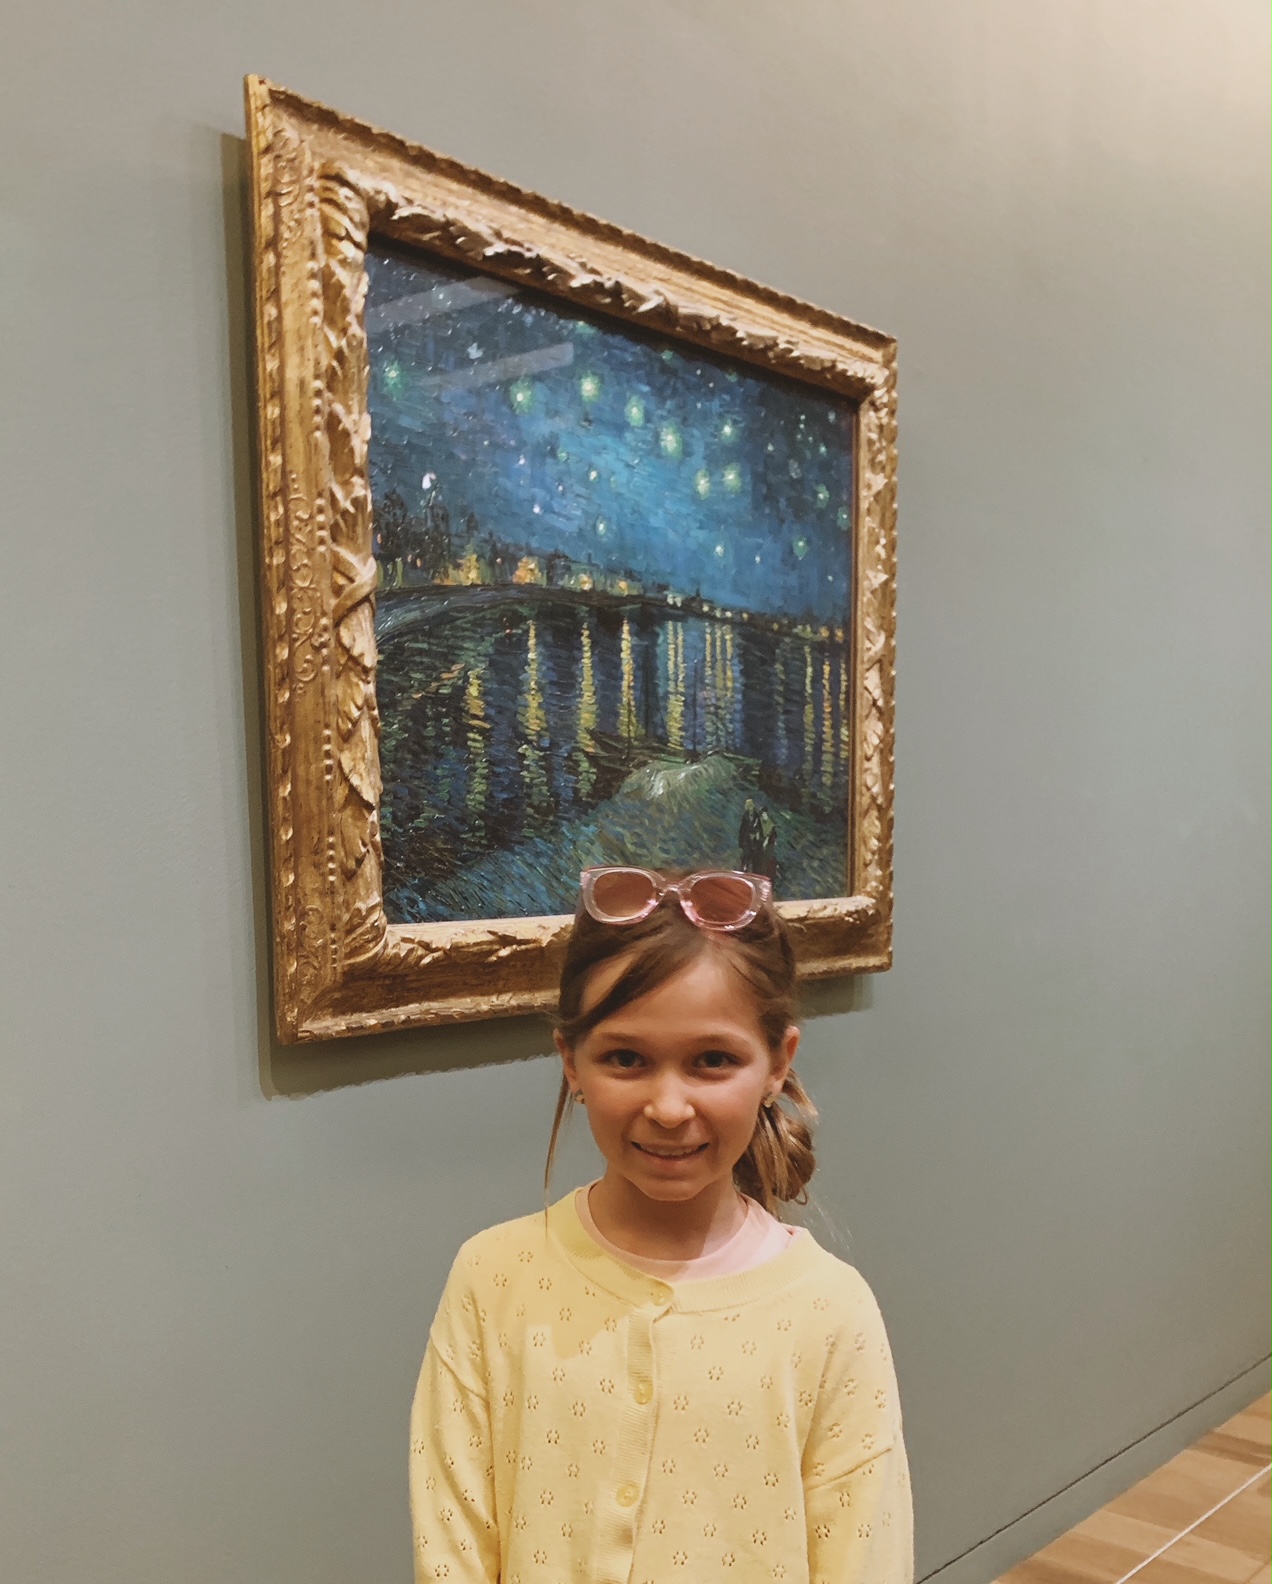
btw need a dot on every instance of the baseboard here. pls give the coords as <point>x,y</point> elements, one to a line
<point>991,1557</point>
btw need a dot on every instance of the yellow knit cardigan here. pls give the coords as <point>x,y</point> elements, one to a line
<point>580,1422</point>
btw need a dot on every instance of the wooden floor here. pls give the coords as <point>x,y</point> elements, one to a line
<point>1202,1518</point>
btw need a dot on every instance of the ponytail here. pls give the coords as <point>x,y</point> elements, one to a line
<point>778,1162</point>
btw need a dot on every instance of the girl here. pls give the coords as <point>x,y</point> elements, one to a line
<point>658,1380</point>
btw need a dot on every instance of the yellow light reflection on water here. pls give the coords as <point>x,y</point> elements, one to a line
<point>718,688</point>
<point>627,708</point>
<point>730,686</point>
<point>704,689</point>
<point>828,728</point>
<point>587,713</point>
<point>477,728</point>
<point>534,723</point>
<point>587,689</point>
<point>675,685</point>
<point>810,722</point>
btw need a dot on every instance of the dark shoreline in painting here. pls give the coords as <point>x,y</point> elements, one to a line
<point>400,609</point>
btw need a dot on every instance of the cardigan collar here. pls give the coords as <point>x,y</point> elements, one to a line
<point>712,1292</point>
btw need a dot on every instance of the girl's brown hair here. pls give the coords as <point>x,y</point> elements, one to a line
<point>778,1162</point>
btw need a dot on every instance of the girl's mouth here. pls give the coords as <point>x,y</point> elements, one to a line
<point>669,1152</point>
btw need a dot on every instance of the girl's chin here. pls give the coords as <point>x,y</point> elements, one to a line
<point>667,1190</point>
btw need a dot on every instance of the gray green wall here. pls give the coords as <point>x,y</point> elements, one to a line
<point>1045,1135</point>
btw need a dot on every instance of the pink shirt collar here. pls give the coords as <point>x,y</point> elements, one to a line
<point>760,1238</point>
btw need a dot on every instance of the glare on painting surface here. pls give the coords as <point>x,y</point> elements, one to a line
<point>614,581</point>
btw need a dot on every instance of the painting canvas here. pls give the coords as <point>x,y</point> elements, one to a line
<point>613,605</point>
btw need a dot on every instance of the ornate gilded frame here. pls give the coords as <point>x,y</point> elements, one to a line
<point>321,184</point>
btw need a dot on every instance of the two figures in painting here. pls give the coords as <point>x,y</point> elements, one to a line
<point>757,841</point>
<point>614,584</point>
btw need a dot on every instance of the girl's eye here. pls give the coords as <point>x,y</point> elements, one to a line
<point>626,1060</point>
<point>717,1060</point>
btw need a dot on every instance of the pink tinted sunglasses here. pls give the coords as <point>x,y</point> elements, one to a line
<point>713,899</point>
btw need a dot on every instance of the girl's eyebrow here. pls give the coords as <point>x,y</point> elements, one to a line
<point>712,1040</point>
<point>606,1036</point>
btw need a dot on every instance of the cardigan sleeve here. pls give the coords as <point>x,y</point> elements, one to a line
<point>452,1463</point>
<point>860,1526</point>
<point>857,1503</point>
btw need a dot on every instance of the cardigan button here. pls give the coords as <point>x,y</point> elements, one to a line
<point>661,1293</point>
<point>644,1391</point>
<point>627,1495</point>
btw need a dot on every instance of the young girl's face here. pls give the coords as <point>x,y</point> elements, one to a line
<point>673,1081</point>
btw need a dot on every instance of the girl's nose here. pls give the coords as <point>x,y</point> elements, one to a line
<point>669,1106</point>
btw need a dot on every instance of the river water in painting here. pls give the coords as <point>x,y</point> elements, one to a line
<point>528,733</point>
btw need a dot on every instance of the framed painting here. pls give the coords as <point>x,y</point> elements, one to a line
<point>575,550</point>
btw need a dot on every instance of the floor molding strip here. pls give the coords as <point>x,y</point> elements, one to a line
<point>1054,1515</point>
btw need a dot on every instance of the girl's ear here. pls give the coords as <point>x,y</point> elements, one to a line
<point>783,1056</point>
<point>567,1059</point>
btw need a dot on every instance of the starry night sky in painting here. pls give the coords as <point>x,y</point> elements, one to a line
<point>558,433</point>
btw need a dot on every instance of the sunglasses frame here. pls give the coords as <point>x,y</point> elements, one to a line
<point>761,893</point>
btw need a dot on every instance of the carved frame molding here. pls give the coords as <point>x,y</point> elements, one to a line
<point>321,185</point>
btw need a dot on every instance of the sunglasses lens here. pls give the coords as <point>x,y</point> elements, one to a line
<point>721,899</point>
<point>621,894</point>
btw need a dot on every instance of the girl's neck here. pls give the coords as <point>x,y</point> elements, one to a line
<point>660,1229</point>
